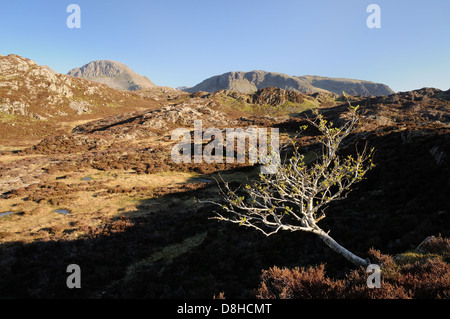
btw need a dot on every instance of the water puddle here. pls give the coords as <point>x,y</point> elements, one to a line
<point>62,211</point>
<point>5,214</point>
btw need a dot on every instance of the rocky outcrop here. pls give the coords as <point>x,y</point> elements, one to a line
<point>276,97</point>
<point>147,123</point>
<point>161,93</point>
<point>115,74</point>
<point>272,97</point>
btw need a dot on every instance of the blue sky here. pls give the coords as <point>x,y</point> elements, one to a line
<point>177,43</point>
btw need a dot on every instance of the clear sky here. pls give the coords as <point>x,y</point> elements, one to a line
<point>181,43</point>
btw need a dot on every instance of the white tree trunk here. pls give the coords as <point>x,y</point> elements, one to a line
<point>358,261</point>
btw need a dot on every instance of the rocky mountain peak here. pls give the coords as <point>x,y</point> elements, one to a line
<point>115,74</point>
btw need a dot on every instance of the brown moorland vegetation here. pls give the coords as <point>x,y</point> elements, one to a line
<point>136,231</point>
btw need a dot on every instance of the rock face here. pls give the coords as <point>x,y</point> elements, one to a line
<point>115,74</point>
<point>249,82</point>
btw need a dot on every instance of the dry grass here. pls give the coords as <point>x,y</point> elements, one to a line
<point>104,195</point>
<point>9,158</point>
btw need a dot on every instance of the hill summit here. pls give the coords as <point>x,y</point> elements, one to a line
<point>115,74</point>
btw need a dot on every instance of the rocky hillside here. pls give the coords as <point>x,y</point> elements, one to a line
<point>34,99</point>
<point>248,82</point>
<point>115,74</point>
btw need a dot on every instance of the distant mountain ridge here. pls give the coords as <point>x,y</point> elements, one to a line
<point>349,86</point>
<point>248,82</point>
<point>115,74</point>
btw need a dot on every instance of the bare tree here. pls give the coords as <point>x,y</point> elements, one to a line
<point>295,196</point>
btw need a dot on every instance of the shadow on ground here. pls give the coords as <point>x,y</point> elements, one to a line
<point>170,248</point>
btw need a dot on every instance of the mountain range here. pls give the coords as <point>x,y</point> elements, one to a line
<point>119,76</point>
<point>248,82</point>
